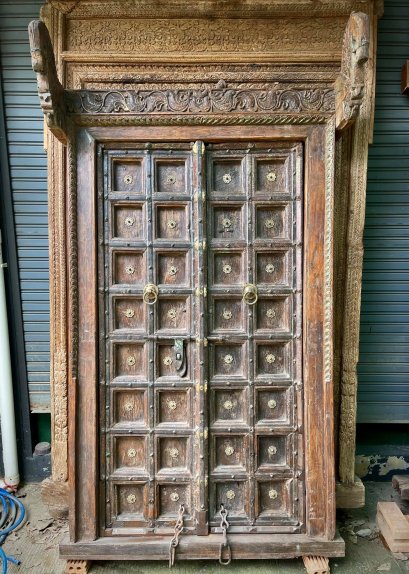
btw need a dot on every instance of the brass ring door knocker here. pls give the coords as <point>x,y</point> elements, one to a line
<point>250,294</point>
<point>225,550</point>
<point>150,294</point>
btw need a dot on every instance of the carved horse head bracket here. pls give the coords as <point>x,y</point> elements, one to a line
<point>350,85</point>
<point>50,90</point>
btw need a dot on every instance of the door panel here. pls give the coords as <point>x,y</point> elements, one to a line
<point>198,386</point>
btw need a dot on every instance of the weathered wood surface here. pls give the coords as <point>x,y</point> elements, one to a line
<point>400,483</point>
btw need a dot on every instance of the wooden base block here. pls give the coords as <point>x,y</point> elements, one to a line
<point>316,564</point>
<point>350,495</point>
<point>401,484</point>
<point>55,496</point>
<point>393,526</point>
<point>77,566</point>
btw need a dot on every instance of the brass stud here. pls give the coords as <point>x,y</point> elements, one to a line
<point>128,179</point>
<point>271,313</point>
<point>228,405</point>
<point>227,314</point>
<point>131,361</point>
<point>227,178</point>
<point>172,224</point>
<point>173,452</point>
<point>172,405</point>
<point>172,270</point>
<point>270,268</point>
<point>172,313</point>
<point>227,268</point>
<point>270,358</point>
<point>129,221</point>
<point>131,452</point>
<point>171,179</point>
<point>226,222</point>
<point>272,404</point>
<point>272,450</point>
<point>128,407</point>
<point>271,176</point>
<point>230,494</point>
<point>174,496</point>
<point>229,450</point>
<point>129,270</point>
<point>228,359</point>
<point>269,223</point>
<point>130,313</point>
<point>273,494</point>
<point>131,498</point>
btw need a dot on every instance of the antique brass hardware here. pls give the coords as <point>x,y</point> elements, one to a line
<point>174,497</point>
<point>172,224</point>
<point>228,405</point>
<point>228,359</point>
<point>231,495</point>
<point>227,314</point>
<point>131,452</point>
<point>172,405</point>
<point>227,268</point>
<point>224,546</point>
<point>131,361</point>
<point>270,268</point>
<point>129,270</point>
<point>250,294</point>
<point>272,450</point>
<point>129,313</point>
<point>229,450</point>
<point>129,221</point>
<point>172,313</point>
<point>167,361</point>
<point>150,294</point>
<point>131,498</point>
<point>180,358</point>
<point>171,178</point>
<point>128,179</point>
<point>271,176</point>
<point>270,358</point>
<point>269,223</point>
<point>227,223</point>
<point>173,452</point>
<point>272,404</point>
<point>273,494</point>
<point>271,313</point>
<point>172,270</point>
<point>128,407</point>
<point>177,531</point>
<point>227,178</point>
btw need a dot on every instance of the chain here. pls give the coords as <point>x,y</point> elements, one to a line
<point>177,532</point>
<point>224,546</point>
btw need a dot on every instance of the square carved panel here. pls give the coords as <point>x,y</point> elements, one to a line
<point>129,454</point>
<point>229,406</point>
<point>173,268</point>
<point>274,268</point>
<point>170,176</point>
<point>170,497</point>
<point>165,366</point>
<point>273,222</point>
<point>228,268</point>
<point>128,222</point>
<point>173,314</point>
<point>128,268</point>
<point>273,175</point>
<point>173,454</point>
<point>128,176</point>
<point>229,361</point>
<point>227,314</point>
<point>131,501</point>
<point>228,176</point>
<point>273,314</point>
<point>130,360</point>
<point>273,451</point>
<point>130,407</point>
<point>172,222</point>
<point>274,406</point>
<point>227,222</point>
<point>274,499</point>
<point>229,453</point>
<point>273,360</point>
<point>173,407</point>
<point>234,496</point>
<point>129,313</point>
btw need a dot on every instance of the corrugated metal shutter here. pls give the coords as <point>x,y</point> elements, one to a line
<point>383,394</point>
<point>28,171</point>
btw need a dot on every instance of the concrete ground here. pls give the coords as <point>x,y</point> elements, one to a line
<point>36,545</point>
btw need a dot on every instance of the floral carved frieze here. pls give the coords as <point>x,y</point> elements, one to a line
<point>206,99</point>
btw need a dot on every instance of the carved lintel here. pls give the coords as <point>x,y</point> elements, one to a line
<point>204,99</point>
<point>50,90</point>
<point>350,85</point>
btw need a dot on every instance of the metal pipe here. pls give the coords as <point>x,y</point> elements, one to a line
<point>7,418</point>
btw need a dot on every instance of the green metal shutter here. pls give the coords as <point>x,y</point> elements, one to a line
<point>383,392</point>
<point>28,172</point>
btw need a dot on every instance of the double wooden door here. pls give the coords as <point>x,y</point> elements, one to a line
<point>200,287</point>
